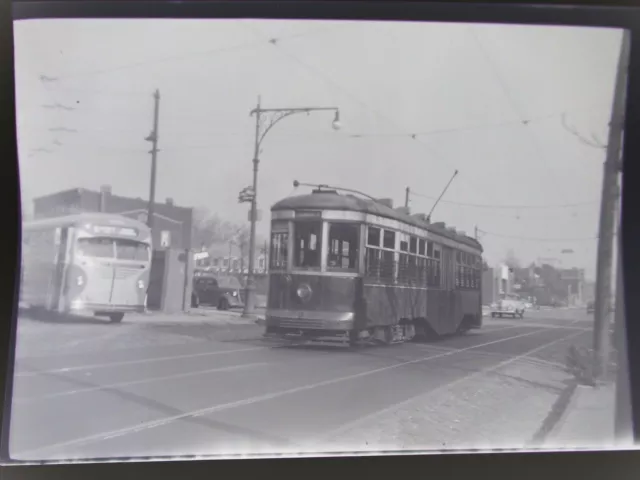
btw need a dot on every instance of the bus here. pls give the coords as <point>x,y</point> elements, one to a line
<point>351,270</point>
<point>90,263</point>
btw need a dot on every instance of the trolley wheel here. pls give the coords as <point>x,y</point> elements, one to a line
<point>116,317</point>
<point>223,304</point>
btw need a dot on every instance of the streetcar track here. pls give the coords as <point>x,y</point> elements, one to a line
<point>367,418</point>
<point>270,396</point>
<point>27,400</point>
<point>133,362</point>
<point>264,346</point>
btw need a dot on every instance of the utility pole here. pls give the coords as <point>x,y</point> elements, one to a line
<point>475,232</point>
<point>407,193</point>
<point>266,118</point>
<point>623,418</point>
<point>608,206</point>
<point>153,138</point>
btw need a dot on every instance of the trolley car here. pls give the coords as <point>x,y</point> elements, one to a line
<point>90,263</point>
<point>353,270</point>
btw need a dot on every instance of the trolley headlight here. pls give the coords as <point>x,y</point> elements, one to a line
<point>140,284</point>
<point>304,292</point>
<point>80,280</point>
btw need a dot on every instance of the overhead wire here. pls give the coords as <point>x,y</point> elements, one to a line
<point>508,96</point>
<point>506,207</point>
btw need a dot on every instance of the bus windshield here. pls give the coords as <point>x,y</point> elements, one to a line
<point>131,250</point>
<point>96,247</point>
<point>121,249</point>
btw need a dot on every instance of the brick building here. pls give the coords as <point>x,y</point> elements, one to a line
<point>172,225</point>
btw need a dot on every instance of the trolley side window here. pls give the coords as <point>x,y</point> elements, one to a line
<point>132,250</point>
<point>307,244</point>
<point>96,247</point>
<point>343,246</point>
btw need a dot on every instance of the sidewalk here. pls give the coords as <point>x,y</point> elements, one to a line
<point>195,317</point>
<point>588,421</point>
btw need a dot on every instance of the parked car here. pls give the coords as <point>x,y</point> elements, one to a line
<point>223,292</point>
<point>508,306</point>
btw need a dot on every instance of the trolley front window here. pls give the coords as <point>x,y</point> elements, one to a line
<point>131,250</point>
<point>96,247</point>
<point>343,246</point>
<point>279,252</point>
<point>307,244</point>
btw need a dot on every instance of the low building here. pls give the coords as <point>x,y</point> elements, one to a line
<point>172,225</point>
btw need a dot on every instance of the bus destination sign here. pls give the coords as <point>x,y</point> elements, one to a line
<point>112,230</point>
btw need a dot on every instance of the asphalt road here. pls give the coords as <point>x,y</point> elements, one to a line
<point>125,397</point>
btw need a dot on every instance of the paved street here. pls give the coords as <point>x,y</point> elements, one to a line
<point>211,385</point>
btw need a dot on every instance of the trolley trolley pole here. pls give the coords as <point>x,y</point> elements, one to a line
<point>266,118</point>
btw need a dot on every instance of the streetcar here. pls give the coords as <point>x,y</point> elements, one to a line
<point>90,263</point>
<point>351,270</point>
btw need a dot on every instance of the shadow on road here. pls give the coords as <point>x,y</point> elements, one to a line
<point>44,316</point>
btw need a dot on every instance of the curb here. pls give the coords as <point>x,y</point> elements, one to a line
<point>556,418</point>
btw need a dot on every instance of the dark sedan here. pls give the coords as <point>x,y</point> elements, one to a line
<point>223,292</point>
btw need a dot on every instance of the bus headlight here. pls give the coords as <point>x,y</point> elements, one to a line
<point>140,284</point>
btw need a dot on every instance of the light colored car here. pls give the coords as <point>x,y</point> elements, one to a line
<point>508,307</point>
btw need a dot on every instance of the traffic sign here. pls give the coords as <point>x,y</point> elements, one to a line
<point>258,215</point>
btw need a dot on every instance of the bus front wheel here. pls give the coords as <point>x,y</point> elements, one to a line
<point>116,317</point>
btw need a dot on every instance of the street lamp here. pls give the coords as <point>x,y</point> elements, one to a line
<point>266,118</point>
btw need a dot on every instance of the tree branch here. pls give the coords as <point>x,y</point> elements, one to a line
<point>594,143</point>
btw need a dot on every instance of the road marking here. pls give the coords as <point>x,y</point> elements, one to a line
<point>174,357</point>
<point>367,418</point>
<point>133,362</point>
<point>25,400</point>
<point>251,400</point>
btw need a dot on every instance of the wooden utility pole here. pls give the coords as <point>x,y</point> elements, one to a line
<point>608,206</point>
<point>623,418</point>
<point>153,138</point>
<point>407,193</point>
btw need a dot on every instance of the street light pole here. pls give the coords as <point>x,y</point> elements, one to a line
<point>266,118</point>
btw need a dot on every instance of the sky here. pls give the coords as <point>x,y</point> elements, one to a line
<point>417,102</point>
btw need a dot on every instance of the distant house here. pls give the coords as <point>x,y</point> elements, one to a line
<point>171,227</point>
<point>228,259</point>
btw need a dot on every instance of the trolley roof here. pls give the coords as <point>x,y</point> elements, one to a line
<point>331,200</point>
<point>86,218</point>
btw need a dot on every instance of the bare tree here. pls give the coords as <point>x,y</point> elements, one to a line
<point>512,261</point>
<point>593,142</point>
<point>209,229</point>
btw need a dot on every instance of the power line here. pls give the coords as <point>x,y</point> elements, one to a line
<point>534,239</point>
<point>507,207</point>
<point>183,56</point>
<point>507,123</point>
<point>507,92</point>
